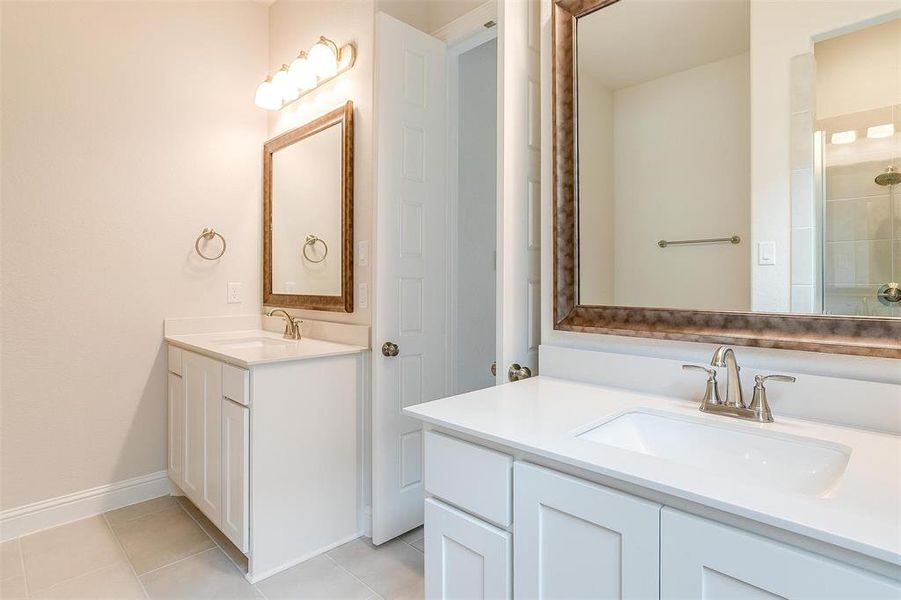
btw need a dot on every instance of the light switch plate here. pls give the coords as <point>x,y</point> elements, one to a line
<point>363,300</point>
<point>766,253</point>
<point>234,292</point>
<point>363,254</point>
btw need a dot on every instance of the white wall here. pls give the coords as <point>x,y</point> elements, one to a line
<point>682,171</point>
<point>477,218</point>
<point>127,128</point>
<point>769,174</point>
<point>295,26</point>
<point>427,15</point>
<point>596,198</point>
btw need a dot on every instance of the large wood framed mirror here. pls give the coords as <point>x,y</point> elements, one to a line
<point>664,227</point>
<point>308,215</point>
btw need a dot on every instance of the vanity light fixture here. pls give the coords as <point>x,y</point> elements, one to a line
<point>324,61</point>
<point>844,137</point>
<point>283,85</point>
<point>324,58</point>
<point>881,131</point>
<point>301,73</point>
<point>267,97</point>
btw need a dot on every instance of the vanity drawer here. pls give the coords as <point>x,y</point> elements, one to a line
<point>236,384</point>
<point>175,354</point>
<point>471,477</point>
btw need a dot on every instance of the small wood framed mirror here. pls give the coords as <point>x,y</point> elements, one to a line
<point>308,215</point>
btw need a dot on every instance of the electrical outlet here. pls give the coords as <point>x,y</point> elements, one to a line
<point>234,292</point>
<point>363,254</point>
<point>363,300</point>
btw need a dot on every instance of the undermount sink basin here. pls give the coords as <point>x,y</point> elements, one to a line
<point>253,342</point>
<point>782,461</point>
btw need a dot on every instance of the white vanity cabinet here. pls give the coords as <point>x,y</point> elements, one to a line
<point>573,538</point>
<point>576,539</point>
<point>202,442</point>
<point>269,451</point>
<point>703,559</point>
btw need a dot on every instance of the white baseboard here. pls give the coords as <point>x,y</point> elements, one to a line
<point>30,518</point>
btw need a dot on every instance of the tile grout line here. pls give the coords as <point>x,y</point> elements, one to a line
<point>181,560</point>
<point>125,554</point>
<point>357,579</point>
<point>221,549</point>
<point>22,563</point>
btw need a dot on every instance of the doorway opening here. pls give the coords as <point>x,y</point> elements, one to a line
<point>472,212</point>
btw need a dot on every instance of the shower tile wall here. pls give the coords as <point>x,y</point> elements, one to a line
<point>805,211</point>
<point>859,242</point>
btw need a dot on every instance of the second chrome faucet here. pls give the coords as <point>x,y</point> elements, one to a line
<point>734,403</point>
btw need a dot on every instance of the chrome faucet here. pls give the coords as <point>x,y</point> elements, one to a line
<point>734,404</point>
<point>724,356</point>
<point>292,324</point>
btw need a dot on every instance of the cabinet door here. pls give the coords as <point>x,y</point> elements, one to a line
<point>575,539</point>
<point>176,421</point>
<point>235,475</point>
<point>703,559</point>
<point>202,478</point>
<point>465,558</point>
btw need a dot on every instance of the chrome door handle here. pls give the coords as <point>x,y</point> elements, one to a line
<point>390,349</point>
<point>494,368</point>
<point>889,293</point>
<point>518,373</point>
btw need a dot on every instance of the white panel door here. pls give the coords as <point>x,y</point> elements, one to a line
<point>465,558</point>
<point>410,274</point>
<point>176,421</point>
<point>235,472</point>
<point>519,189</point>
<point>575,539</point>
<point>703,559</point>
<point>202,479</point>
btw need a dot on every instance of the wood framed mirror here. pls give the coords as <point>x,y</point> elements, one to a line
<point>308,215</point>
<point>656,230</point>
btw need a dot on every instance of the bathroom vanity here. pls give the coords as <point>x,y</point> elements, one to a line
<point>264,438</point>
<point>550,488</point>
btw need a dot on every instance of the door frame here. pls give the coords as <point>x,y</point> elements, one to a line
<point>455,49</point>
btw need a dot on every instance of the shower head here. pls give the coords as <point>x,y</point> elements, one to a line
<point>888,177</point>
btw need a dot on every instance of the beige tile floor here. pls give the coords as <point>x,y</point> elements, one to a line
<point>165,548</point>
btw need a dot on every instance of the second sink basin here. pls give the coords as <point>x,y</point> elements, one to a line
<point>786,462</point>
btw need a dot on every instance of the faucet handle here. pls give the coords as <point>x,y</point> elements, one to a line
<point>712,392</point>
<point>759,403</point>
<point>760,379</point>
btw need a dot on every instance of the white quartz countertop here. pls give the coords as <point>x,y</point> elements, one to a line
<point>543,416</point>
<point>248,348</point>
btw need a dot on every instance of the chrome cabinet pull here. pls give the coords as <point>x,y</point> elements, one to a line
<point>390,349</point>
<point>518,373</point>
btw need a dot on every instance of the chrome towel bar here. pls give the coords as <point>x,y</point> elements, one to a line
<point>731,239</point>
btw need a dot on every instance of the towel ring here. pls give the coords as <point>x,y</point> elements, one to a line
<point>311,241</point>
<point>207,234</point>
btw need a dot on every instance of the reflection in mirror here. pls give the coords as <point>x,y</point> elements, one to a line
<point>663,146</point>
<point>663,167</point>
<point>857,165</point>
<point>308,208</point>
<point>306,215</point>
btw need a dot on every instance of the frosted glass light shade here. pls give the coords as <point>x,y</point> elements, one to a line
<point>881,131</point>
<point>844,137</point>
<point>284,87</point>
<point>266,96</point>
<point>301,73</point>
<point>323,60</point>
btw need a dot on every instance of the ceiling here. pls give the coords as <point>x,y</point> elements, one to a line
<point>633,41</point>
